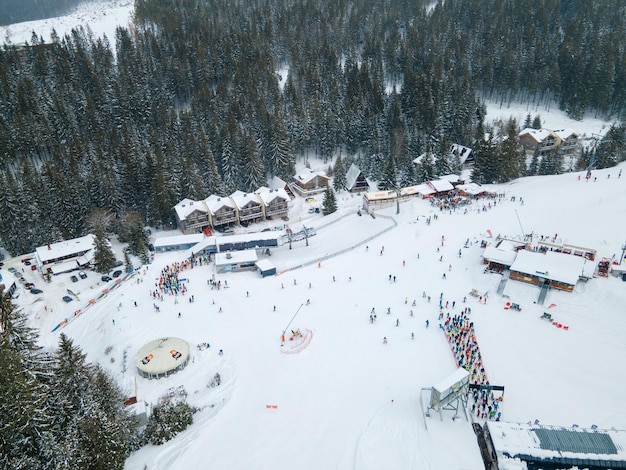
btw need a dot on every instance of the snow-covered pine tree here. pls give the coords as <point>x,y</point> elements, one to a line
<point>330,202</point>
<point>339,170</point>
<point>104,259</point>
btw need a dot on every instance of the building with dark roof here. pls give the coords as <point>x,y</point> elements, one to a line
<point>554,447</point>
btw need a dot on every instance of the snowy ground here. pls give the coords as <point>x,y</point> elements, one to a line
<point>347,400</point>
<point>101,16</point>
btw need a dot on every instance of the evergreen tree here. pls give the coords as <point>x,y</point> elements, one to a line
<point>168,418</point>
<point>104,259</point>
<point>389,177</point>
<point>330,202</point>
<point>26,434</point>
<point>511,157</point>
<point>537,122</point>
<point>339,170</point>
<point>426,168</point>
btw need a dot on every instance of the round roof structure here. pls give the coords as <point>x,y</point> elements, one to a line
<point>162,357</point>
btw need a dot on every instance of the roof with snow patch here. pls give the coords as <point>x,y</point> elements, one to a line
<point>187,206</point>
<point>556,445</point>
<point>215,203</point>
<point>550,265</point>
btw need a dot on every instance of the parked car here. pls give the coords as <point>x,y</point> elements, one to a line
<point>117,273</point>
<point>12,270</point>
<point>67,299</point>
<point>34,290</point>
<point>29,285</point>
<point>106,278</point>
<point>74,279</point>
<point>83,275</point>
<point>118,263</point>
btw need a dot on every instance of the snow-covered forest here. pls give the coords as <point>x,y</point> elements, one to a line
<point>208,97</point>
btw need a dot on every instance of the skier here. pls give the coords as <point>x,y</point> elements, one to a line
<point>412,335</point>
<point>397,322</point>
<point>384,340</point>
<point>388,310</point>
<point>427,323</point>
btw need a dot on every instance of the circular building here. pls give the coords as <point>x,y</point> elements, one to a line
<point>162,357</point>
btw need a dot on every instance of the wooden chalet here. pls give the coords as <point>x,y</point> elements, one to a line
<point>464,154</point>
<point>222,210</point>
<point>191,216</point>
<point>356,181</point>
<point>275,202</point>
<point>311,182</point>
<point>569,140</point>
<point>555,270</point>
<point>249,207</point>
<point>276,183</point>
<point>65,256</point>
<point>539,140</point>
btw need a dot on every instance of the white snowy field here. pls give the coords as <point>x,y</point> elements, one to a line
<point>102,17</point>
<point>347,400</point>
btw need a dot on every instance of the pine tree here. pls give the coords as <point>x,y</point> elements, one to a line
<point>330,202</point>
<point>389,176</point>
<point>26,437</point>
<point>339,170</point>
<point>168,418</point>
<point>104,259</point>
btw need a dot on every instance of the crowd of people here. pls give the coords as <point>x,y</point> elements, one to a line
<point>459,331</point>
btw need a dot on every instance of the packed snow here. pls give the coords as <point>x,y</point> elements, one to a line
<point>345,399</point>
<point>102,17</point>
<point>338,397</point>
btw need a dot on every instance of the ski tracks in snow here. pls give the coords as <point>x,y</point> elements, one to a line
<point>391,440</point>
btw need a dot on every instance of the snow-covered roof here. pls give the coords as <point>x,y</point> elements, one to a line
<point>351,176</point>
<point>538,134</point>
<point>457,376</point>
<point>242,199</point>
<point>65,248</point>
<point>557,444</point>
<point>423,189</point>
<point>566,133</point>
<point>187,206</point>
<point>305,177</point>
<point>550,265</point>
<point>269,195</point>
<point>472,189</point>
<point>177,240</point>
<point>276,183</point>
<point>162,355</point>
<point>502,255</point>
<point>460,150</point>
<point>441,185</point>
<point>265,265</point>
<point>235,257</point>
<point>451,178</point>
<point>379,195</point>
<point>215,203</point>
<point>67,266</point>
